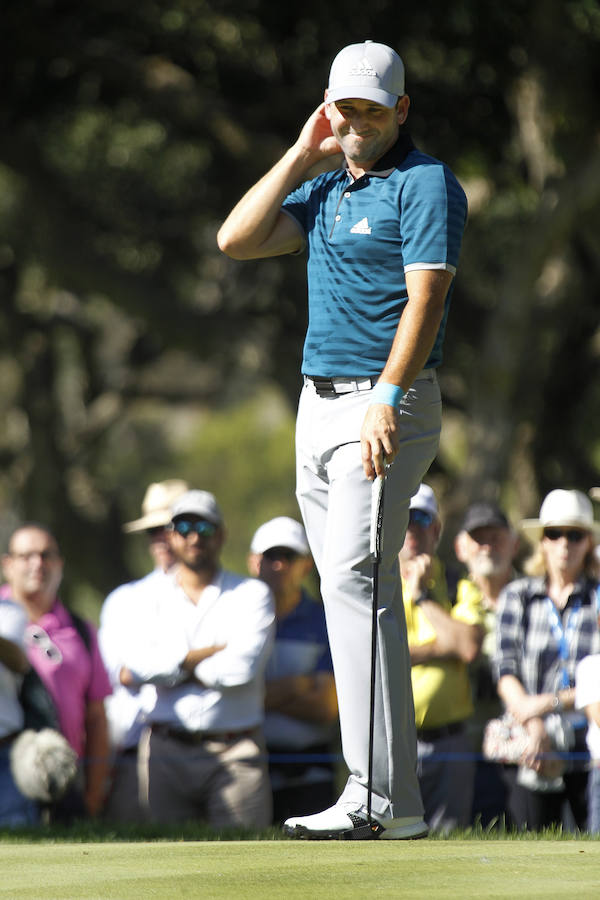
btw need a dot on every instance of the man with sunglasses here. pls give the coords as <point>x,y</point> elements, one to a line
<point>442,640</point>
<point>126,708</point>
<point>300,700</point>
<point>203,643</point>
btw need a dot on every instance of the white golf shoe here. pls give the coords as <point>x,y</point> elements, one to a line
<point>348,821</point>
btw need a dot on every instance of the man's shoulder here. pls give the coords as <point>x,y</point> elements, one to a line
<point>243,585</point>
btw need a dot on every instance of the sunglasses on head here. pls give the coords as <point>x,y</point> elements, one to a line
<point>275,554</point>
<point>420,517</point>
<point>36,636</point>
<point>184,527</point>
<point>573,535</point>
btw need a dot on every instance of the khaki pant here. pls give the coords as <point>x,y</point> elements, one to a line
<point>223,783</point>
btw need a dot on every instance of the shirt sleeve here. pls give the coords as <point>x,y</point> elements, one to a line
<point>509,633</point>
<point>468,608</point>
<point>587,681</point>
<point>99,686</point>
<point>432,218</point>
<point>249,641</point>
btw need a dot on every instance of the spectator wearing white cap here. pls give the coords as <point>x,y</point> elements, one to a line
<point>442,640</point>
<point>203,643</point>
<point>546,624</point>
<point>300,700</point>
<point>127,707</point>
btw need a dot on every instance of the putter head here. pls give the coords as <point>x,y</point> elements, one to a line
<point>370,831</point>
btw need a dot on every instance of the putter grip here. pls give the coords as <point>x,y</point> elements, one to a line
<point>376,515</point>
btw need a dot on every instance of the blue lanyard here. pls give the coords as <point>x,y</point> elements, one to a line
<point>562,636</point>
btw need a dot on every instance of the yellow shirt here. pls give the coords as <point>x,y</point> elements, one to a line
<point>441,689</point>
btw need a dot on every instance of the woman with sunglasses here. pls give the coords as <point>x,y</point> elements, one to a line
<point>546,623</point>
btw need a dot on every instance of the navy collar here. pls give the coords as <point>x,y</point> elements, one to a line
<point>391,159</point>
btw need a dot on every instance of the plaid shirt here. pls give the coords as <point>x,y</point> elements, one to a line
<point>526,643</point>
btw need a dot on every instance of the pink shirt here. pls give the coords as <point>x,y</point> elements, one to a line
<point>76,680</point>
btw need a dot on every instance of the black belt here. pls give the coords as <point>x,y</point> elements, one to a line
<point>199,737</point>
<point>434,734</point>
<point>335,387</point>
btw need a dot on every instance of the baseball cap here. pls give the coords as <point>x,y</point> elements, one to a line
<point>425,499</point>
<point>563,509</point>
<point>199,503</point>
<point>280,532</point>
<point>483,514</point>
<point>156,505</point>
<point>368,71</point>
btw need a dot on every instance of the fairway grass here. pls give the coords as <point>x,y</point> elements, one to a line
<point>287,869</point>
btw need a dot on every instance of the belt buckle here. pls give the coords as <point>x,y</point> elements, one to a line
<point>324,387</point>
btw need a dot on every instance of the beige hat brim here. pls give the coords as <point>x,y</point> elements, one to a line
<point>595,493</point>
<point>157,519</point>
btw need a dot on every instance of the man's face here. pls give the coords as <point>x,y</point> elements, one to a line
<point>33,565</point>
<point>422,535</point>
<point>365,130</point>
<point>281,568</point>
<point>160,548</point>
<point>488,550</point>
<point>196,542</point>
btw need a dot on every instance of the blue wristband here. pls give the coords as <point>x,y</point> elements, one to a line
<point>383,392</point>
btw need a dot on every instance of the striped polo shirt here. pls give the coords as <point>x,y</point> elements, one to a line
<point>362,236</point>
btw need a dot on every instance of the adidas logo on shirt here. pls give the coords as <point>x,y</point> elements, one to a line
<point>361,227</point>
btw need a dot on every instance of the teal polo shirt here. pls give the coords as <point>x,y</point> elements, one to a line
<point>362,236</point>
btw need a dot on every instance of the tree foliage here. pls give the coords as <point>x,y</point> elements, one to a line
<point>128,131</point>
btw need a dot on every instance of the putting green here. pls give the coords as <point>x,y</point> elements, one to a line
<point>287,869</point>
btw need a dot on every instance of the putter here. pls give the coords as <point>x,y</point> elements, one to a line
<point>372,829</point>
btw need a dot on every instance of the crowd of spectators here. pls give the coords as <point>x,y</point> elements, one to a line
<point>209,696</point>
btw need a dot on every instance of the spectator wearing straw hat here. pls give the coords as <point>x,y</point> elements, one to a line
<point>204,644</point>
<point>546,624</point>
<point>127,707</point>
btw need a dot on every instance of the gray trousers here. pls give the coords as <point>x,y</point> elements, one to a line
<point>335,501</point>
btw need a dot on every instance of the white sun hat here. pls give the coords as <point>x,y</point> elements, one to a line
<point>563,509</point>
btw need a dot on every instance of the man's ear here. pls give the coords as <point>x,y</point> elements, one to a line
<point>327,111</point>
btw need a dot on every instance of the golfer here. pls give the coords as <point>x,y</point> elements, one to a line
<point>382,235</point>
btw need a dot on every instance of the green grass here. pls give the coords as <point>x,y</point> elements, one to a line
<point>104,863</point>
<point>543,868</point>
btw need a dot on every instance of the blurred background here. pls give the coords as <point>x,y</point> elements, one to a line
<point>133,351</point>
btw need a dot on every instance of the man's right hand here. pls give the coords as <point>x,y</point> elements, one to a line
<point>316,137</point>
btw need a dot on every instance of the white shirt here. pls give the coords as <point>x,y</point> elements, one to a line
<point>120,620</point>
<point>587,690</point>
<point>13,621</point>
<point>235,611</point>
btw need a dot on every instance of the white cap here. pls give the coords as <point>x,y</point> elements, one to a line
<point>280,532</point>
<point>564,509</point>
<point>368,71</point>
<point>425,499</point>
<point>198,503</point>
<point>156,505</point>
